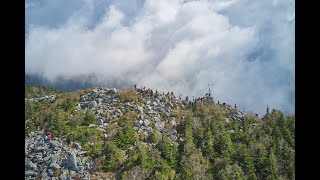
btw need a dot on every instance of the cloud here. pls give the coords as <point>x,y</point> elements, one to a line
<point>243,48</point>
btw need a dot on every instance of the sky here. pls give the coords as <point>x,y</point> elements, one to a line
<point>244,50</point>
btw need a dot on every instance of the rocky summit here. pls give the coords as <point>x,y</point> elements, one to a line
<point>109,133</point>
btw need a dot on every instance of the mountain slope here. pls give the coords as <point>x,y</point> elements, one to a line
<point>141,134</point>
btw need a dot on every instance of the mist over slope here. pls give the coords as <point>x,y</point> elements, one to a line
<point>243,49</point>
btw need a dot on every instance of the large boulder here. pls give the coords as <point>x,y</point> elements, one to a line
<point>149,107</point>
<point>29,165</point>
<point>159,126</point>
<point>83,98</point>
<point>146,122</point>
<point>63,177</point>
<point>173,137</point>
<point>53,164</point>
<point>76,145</point>
<point>113,91</point>
<point>94,94</point>
<point>150,112</point>
<point>91,104</point>
<point>40,148</point>
<point>155,103</point>
<point>156,100</point>
<point>137,124</point>
<point>141,122</point>
<point>71,162</point>
<point>52,98</point>
<point>54,144</point>
<point>30,173</point>
<point>78,107</point>
<point>100,122</point>
<point>140,109</point>
<point>149,130</point>
<point>92,125</point>
<point>118,111</point>
<point>173,122</point>
<point>107,115</point>
<point>231,131</point>
<point>156,119</point>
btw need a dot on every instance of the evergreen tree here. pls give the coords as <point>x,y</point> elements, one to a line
<point>114,157</point>
<point>168,151</point>
<point>89,118</point>
<point>272,166</point>
<point>194,166</point>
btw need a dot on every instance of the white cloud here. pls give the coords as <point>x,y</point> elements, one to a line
<point>244,48</point>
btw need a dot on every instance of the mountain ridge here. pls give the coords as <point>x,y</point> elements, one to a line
<point>123,130</point>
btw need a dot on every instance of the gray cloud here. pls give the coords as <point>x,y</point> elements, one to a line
<point>244,49</point>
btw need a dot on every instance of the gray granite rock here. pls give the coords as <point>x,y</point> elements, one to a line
<point>173,137</point>
<point>156,119</point>
<point>157,100</point>
<point>137,124</point>
<point>149,130</point>
<point>45,176</point>
<point>173,121</point>
<point>63,177</point>
<point>92,125</point>
<point>76,145</point>
<point>50,171</point>
<point>150,112</point>
<point>146,122</point>
<point>92,104</point>
<point>30,173</point>
<point>99,122</point>
<point>159,125</point>
<point>40,148</point>
<point>71,162</point>
<point>140,109</point>
<point>54,144</point>
<point>231,131</point>
<point>29,165</point>
<point>113,91</point>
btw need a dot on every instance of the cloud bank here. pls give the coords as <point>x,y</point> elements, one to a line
<point>243,48</point>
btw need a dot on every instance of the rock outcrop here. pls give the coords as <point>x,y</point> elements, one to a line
<point>54,159</point>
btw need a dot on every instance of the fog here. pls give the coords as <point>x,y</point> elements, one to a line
<point>244,49</point>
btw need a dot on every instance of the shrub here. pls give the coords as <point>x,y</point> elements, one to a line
<point>125,137</point>
<point>128,118</point>
<point>89,118</point>
<point>128,95</point>
<point>114,157</point>
<point>142,136</point>
<point>154,137</point>
<point>57,172</point>
<point>68,104</point>
<point>84,135</point>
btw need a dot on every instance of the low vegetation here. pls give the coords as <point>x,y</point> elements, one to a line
<point>211,146</point>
